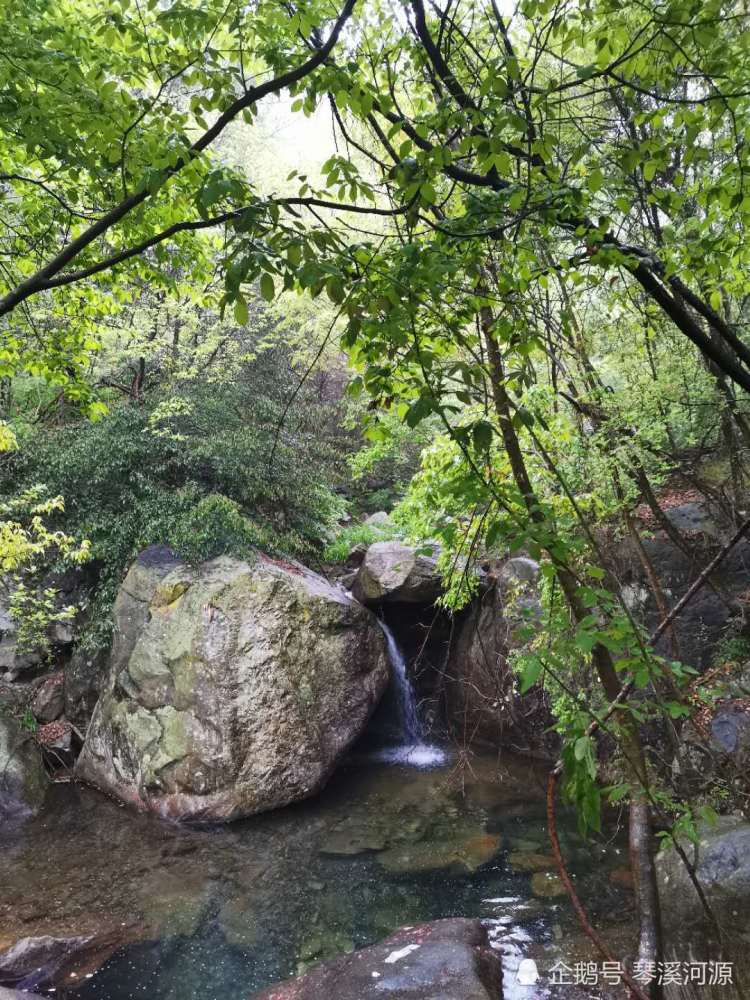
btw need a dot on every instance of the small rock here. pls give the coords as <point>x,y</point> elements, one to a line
<point>380,519</point>
<point>547,885</point>
<point>529,862</point>
<point>49,700</point>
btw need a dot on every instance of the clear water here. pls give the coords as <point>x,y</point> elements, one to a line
<point>217,914</point>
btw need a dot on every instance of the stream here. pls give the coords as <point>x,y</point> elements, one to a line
<point>221,913</point>
<point>405,834</point>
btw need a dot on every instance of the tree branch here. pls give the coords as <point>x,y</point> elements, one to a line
<point>39,280</point>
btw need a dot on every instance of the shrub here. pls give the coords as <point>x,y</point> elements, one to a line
<point>356,534</point>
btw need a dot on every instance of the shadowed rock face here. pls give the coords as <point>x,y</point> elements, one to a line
<point>234,687</point>
<point>722,866</point>
<point>481,696</point>
<point>444,960</point>
<point>23,782</point>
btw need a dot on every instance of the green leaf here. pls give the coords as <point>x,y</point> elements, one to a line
<point>595,181</point>
<point>482,434</point>
<point>240,311</point>
<point>530,674</point>
<point>267,288</point>
<point>335,289</point>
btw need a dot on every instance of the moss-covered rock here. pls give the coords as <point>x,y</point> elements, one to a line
<point>234,687</point>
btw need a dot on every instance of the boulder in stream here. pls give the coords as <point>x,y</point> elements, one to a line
<point>234,687</point>
<point>722,860</point>
<point>445,960</point>
<point>393,572</point>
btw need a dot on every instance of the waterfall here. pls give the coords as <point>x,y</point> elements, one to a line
<point>412,749</point>
<point>411,727</point>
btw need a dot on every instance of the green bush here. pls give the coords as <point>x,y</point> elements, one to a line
<point>347,538</point>
<point>213,474</point>
<point>214,526</point>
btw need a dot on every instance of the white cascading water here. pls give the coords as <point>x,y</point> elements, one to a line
<point>412,750</point>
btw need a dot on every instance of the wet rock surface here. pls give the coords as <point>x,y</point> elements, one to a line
<point>234,687</point>
<point>445,960</point>
<point>40,962</point>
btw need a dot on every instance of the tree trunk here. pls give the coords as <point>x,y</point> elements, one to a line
<point>644,875</point>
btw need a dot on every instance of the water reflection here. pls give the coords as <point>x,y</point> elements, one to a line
<point>224,912</point>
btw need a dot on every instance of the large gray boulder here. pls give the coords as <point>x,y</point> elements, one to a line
<point>722,860</point>
<point>444,960</point>
<point>722,867</point>
<point>23,781</point>
<point>393,572</point>
<point>234,687</point>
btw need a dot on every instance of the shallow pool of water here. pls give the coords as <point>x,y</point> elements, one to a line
<point>217,914</point>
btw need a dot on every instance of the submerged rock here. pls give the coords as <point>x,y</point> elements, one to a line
<point>465,851</point>
<point>528,861</point>
<point>547,885</point>
<point>394,572</point>
<point>23,780</point>
<point>444,960</point>
<point>234,687</point>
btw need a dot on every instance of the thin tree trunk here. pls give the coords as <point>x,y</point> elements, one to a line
<point>644,875</point>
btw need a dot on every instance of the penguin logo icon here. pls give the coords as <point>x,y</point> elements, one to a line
<point>528,973</point>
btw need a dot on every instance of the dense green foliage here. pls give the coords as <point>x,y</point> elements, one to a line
<point>530,239</point>
<point>207,467</point>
